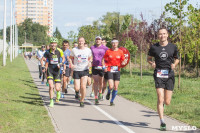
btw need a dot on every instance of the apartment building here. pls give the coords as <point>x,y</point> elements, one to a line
<point>40,11</point>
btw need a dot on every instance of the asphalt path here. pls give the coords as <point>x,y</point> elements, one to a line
<point>125,117</point>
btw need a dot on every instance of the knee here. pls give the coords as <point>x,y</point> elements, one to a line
<point>160,101</point>
<point>167,102</point>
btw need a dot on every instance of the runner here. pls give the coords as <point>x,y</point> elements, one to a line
<point>67,68</point>
<point>80,64</point>
<point>98,51</point>
<point>52,67</point>
<point>112,60</point>
<point>39,56</point>
<point>105,80</point>
<point>166,59</point>
<point>89,79</point>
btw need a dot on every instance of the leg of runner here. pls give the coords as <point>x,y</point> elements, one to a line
<point>168,96</point>
<point>51,93</point>
<point>114,92</point>
<point>64,86</point>
<point>92,92</point>
<point>77,87</point>
<point>96,87</point>
<point>111,85</point>
<point>57,87</point>
<point>100,87</point>
<point>160,108</point>
<point>40,71</point>
<point>83,89</point>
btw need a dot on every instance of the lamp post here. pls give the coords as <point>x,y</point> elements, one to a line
<point>4,35</point>
<point>11,46</point>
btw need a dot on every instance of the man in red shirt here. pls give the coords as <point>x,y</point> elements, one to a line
<point>112,61</point>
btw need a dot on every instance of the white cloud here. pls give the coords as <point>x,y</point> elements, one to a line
<point>72,24</point>
<point>90,19</point>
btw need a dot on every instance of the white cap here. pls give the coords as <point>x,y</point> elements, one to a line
<point>98,37</point>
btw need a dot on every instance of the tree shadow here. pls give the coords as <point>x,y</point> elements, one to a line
<point>137,124</point>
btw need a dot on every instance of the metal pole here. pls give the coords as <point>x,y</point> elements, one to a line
<point>179,75</point>
<point>4,35</point>
<point>11,31</point>
<point>13,36</point>
<point>15,39</point>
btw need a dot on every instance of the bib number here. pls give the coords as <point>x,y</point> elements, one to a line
<point>54,61</point>
<point>114,69</point>
<point>98,67</point>
<point>162,73</point>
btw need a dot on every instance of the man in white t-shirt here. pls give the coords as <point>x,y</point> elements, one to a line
<point>81,57</point>
<point>39,56</point>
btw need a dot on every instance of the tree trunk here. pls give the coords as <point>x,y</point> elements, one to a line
<point>197,58</point>
<point>179,74</point>
<point>135,58</point>
<point>141,60</point>
<point>130,68</point>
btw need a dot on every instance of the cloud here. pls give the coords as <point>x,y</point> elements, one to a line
<point>90,19</point>
<point>72,24</point>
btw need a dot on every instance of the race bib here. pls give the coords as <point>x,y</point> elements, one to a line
<point>54,61</point>
<point>162,73</point>
<point>98,67</point>
<point>114,69</point>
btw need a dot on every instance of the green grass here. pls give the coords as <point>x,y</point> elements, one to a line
<point>21,107</point>
<point>185,104</point>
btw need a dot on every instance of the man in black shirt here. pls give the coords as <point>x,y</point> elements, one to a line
<point>166,59</point>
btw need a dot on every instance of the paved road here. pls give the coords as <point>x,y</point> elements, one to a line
<point>125,116</point>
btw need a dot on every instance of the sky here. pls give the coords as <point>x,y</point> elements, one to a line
<point>72,14</point>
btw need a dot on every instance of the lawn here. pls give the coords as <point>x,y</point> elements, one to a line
<point>185,104</point>
<point>21,107</point>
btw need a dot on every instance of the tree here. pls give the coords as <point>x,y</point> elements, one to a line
<point>58,35</point>
<point>72,36</point>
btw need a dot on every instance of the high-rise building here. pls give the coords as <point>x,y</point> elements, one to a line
<point>40,11</point>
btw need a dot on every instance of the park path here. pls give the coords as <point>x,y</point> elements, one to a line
<point>124,117</point>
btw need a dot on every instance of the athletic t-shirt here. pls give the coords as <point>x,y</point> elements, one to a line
<point>53,58</point>
<point>67,54</point>
<point>81,58</point>
<point>40,54</point>
<point>164,55</point>
<point>114,59</point>
<point>98,53</point>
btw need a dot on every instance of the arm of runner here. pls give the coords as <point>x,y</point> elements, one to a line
<point>90,61</point>
<point>71,62</point>
<point>173,65</point>
<point>152,63</point>
<point>104,65</point>
<point>64,68</point>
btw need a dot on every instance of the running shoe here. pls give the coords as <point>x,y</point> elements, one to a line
<point>57,100</point>
<point>47,84</point>
<point>66,91</point>
<point>163,127</point>
<point>91,94</point>
<point>96,101</point>
<point>62,95</point>
<point>51,103</point>
<point>42,82</point>
<point>40,77</point>
<point>108,96</point>
<point>81,104</point>
<point>112,104</point>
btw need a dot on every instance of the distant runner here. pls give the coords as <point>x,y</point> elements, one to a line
<point>166,59</point>
<point>112,60</point>
<point>39,56</point>
<point>67,67</point>
<point>52,57</point>
<point>81,61</point>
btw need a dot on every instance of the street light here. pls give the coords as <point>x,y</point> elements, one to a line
<point>11,47</point>
<point>4,35</point>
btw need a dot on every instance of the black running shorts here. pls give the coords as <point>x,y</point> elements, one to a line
<point>67,72</point>
<point>53,74</point>
<point>114,76</point>
<point>99,72</point>
<point>79,74</point>
<point>166,83</point>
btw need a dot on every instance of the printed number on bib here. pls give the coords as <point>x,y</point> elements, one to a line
<point>162,73</point>
<point>114,69</point>
<point>54,61</point>
<point>98,67</point>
